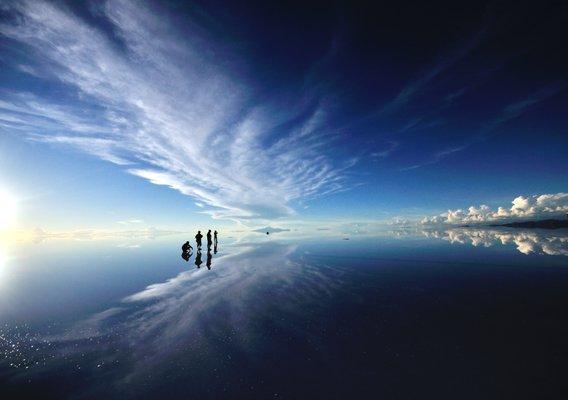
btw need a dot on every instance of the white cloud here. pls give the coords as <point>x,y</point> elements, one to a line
<point>537,206</point>
<point>167,111</point>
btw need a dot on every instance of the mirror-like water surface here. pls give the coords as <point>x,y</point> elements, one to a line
<point>460,313</point>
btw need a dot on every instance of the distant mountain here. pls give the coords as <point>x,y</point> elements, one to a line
<point>271,230</point>
<point>543,224</point>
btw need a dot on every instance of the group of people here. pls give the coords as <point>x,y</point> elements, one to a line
<point>186,248</point>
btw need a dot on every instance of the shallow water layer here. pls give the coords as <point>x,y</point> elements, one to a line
<point>459,313</point>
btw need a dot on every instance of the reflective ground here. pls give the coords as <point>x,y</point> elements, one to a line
<point>444,314</point>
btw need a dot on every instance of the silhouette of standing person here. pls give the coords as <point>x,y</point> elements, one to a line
<point>209,239</point>
<point>209,257</point>
<point>198,261</point>
<point>198,239</point>
<point>215,239</point>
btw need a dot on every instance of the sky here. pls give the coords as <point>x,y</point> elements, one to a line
<point>132,114</point>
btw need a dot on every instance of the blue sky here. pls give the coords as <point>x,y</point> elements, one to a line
<point>123,114</point>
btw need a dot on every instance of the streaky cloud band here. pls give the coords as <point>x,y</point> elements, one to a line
<point>165,110</point>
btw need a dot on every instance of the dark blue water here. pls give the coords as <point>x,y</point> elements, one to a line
<point>468,314</point>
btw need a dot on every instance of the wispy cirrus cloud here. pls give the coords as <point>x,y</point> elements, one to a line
<point>166,111</point>
<point>436,157</point>
<point>392,146</point>
<point>518,108</point>
<point>414,87</point>
<point>510,112</point>
<point>129,221</point>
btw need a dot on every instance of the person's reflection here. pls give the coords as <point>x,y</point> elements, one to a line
<point>198,261</point>
<point>186,251</point>
<point>209,257</point>
<point>215,248</point>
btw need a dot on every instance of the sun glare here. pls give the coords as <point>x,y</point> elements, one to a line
<point>8,209</point>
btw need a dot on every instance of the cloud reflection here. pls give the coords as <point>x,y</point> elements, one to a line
<point>526,242</point>
<point>39,235</point>
<point>149,327</point>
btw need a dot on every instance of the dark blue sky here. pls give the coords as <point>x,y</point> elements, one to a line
<point>262,110</point>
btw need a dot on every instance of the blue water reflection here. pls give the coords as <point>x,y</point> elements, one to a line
<point>286,318</point>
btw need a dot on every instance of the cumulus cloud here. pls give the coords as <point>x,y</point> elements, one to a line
<point>167,111</point>
<point>537,206</point>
